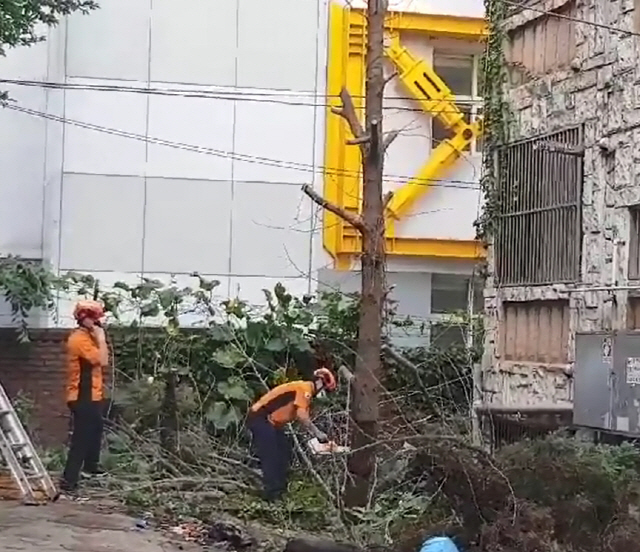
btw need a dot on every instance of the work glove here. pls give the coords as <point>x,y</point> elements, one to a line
<point>322,437</point>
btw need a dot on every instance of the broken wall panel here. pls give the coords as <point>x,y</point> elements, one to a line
<point>542,45</point>
<point>535,331</point>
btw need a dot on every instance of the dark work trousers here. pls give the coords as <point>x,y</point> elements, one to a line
<point>273,449</point>
<point>86,440</point>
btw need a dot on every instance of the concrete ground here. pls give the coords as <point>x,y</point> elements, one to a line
<point>77,527</point>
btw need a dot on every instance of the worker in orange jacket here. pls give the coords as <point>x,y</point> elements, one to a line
<point>87,358</point>
<point>267,418</point>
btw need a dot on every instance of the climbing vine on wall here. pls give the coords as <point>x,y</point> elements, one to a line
<point>496,113</point>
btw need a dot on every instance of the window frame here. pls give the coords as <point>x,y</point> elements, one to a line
<point>473,102</point>
<point>634,243</point>
<point>441,317</point>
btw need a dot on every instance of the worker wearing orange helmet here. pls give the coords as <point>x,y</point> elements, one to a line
<point>267,418</point>
<point>87,357</point>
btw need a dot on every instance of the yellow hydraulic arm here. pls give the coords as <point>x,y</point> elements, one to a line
<point>436,99</point>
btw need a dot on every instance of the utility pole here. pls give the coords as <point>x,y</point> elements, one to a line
<point>371,225</point>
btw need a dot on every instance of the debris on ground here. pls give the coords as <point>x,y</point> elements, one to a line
<point>224,534</point>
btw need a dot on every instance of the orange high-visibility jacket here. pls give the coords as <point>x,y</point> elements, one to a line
<point>285,403</point>
<point>84,370</point>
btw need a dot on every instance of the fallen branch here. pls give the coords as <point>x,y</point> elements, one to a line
<point>354,220</point>
<point>400,359</point>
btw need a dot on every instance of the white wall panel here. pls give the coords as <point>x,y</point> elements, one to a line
<point>459,8</point>
<point>249,288</point>
<point>111,42</point>
<point>194,41</point>
<point>54,152</point>
<point>22,139</point>
<point>449,207</point>
<point>102,223</point>
<point>277,137</point>
<point>204,123</point>
<point>187,226</point>
<point>285,58</point>
<point>25,62</point>
<point>95,152</point>
<point>270,230</point>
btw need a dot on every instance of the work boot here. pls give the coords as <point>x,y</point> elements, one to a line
<point>94,472</point>
<point>67,490</point>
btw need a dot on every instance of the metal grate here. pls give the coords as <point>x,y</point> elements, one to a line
<point>538,237</point>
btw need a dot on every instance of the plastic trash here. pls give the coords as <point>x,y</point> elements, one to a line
<point>439,544</point>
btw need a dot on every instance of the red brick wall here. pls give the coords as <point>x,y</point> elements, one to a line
<point>37,369</point>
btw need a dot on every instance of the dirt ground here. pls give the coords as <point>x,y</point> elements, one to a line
<point>76,527</point>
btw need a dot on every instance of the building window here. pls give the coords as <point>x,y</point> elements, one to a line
<point>451,294</point>
<point>460,73</point>
<point>634,243</point>
<point>538,236</point>
<point>535,331</point>
<point>633,313</point>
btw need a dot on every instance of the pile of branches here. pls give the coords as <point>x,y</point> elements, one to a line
<point>555,494</point>
<point>552,494</point>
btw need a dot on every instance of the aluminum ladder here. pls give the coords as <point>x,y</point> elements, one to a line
<point>21,457</point>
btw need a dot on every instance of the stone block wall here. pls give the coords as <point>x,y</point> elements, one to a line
<point>596,86</point>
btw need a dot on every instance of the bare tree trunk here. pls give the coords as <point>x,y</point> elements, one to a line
<point>371,224</point>
<point>366,388</point>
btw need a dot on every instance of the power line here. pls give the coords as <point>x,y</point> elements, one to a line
<point>570,18</point>
<point>263,97</point>
<point>292,165</point>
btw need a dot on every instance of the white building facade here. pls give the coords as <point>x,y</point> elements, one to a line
<point>161,137</point>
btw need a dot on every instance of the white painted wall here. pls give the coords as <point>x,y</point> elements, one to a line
<point>176,183</point>
<point>457,8</point>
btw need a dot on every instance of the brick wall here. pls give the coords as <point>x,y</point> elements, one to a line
<point>37,369</point>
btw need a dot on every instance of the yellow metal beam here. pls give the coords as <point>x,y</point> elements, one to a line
<point>436,99</point>
<point>442,158</point>
<point>425,85</point>
<point>467,28</point>
<point>342,177</point>
<point>421,247</point>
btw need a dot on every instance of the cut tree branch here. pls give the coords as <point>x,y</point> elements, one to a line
<point>348,113</point>
<point>387,199</point>
<point>390,77</point>
<point>357,141</point>
<point>353,220</point>
<point>389,138</point>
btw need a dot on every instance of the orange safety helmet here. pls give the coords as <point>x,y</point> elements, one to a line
<point>328,379</point>
<point>88,309</point>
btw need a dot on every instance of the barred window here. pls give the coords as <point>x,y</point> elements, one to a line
<point>539,226</point>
